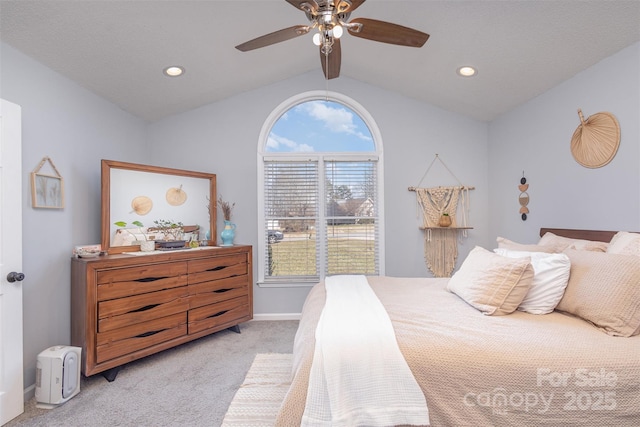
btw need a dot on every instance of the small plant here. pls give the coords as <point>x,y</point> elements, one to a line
<point>170,230</point>
<point>226,208</point>
<point>138,224</point>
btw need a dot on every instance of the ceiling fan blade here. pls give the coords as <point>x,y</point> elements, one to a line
<point>386,32</point>
<point>307,6</point>
<point>345,6</point>
<point>331,63</point>
<point>275,37</point>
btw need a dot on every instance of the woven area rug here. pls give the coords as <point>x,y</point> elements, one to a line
<point>257,401</point>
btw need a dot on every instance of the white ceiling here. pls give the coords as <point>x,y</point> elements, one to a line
<point>118,49</point>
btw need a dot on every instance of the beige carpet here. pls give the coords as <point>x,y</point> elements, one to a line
<point>258,400</point>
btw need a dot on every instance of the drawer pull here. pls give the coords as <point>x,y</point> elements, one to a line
<point>218,268</point>
<point>145,308</point>
<point>148,334</point>
<point>150,279</point>
<point>217,314</point>
<point>221,291</point>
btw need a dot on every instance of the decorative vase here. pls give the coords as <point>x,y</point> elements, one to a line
<point>445,221</point>
<point>228,234</point>
<point>147,246</point>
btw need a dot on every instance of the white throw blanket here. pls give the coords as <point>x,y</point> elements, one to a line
<point>358,376</point>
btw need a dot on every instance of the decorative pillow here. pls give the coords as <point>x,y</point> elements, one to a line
<point>550,239</point>
<point>513,246</point>
<point>604,289</point>
<point>491,283</point>
<point>625,243</point>
<point>550,277</point>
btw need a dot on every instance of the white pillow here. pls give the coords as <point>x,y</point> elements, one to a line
<point>625,243</point>
<point>550,278</point>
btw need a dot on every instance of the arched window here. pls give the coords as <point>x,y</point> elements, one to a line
<point>320,199</point>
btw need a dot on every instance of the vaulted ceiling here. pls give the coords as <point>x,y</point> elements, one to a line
<point>118,49</point>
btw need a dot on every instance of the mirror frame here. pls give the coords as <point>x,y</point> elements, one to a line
<point>108,165</point>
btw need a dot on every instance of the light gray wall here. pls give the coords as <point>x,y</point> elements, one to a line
<point>535,138</point>
<point>76,129</point>
<point>223,138</point>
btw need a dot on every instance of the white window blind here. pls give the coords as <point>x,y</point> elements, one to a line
<point>351,243</point>
<point>327,213</point>
<point>291,190</point>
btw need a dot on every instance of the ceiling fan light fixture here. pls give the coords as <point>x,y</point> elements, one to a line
<point>337,31</point>
<point>173,71</point>
<point>467,71</point>
<point>317,39</point>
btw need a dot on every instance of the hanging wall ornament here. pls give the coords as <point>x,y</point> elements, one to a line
<point>596,140</point>
<point>141,205</point>
<point>439,207</point>
<point>524,197</point>
<point>176,196</point>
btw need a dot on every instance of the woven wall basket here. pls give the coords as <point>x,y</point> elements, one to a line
<point>596,141</point>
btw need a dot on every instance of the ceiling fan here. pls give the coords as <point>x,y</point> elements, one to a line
<point>330,18</point>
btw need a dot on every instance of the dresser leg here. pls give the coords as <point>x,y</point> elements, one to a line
<point>235,329</point>
<point>111,374</point>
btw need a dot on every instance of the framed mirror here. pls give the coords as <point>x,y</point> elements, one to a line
<point>134,194</point>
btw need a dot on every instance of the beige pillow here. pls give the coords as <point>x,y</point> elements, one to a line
<point>514,246</point>
<point>604,289</point>
<point>491,283</point>
<point>562,243</point>
<point>625,243</point>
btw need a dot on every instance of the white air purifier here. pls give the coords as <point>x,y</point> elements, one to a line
<point>57,375</point>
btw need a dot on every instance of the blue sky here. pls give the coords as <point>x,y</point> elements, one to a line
<point>321,126</point>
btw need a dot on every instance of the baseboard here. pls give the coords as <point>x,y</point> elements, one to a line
<point>29,392</point>
<point>277,316</point>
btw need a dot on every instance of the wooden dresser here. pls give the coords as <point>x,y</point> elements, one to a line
<point>124,307</point>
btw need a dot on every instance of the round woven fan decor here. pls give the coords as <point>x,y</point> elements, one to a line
<point>176,196</point>
<point>596,141</point>
<point>141,205</point>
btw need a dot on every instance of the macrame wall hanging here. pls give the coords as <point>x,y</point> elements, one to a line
<point>442,222</point>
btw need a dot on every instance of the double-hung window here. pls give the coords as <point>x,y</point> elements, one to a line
<point>319,193</point>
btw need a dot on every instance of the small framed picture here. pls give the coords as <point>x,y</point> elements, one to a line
<point>47,191</point>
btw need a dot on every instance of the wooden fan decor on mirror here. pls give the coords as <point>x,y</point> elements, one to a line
<point>596,140</point>
<point>330,18</point>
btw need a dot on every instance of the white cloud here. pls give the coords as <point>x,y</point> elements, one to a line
<point>274,142</point>
<point>338,120</point>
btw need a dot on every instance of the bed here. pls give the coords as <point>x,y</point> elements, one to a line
<point>518,369</point>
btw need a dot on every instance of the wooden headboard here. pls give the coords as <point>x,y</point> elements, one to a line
<point>597,235</point>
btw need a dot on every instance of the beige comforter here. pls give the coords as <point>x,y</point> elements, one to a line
<point>477,370</point>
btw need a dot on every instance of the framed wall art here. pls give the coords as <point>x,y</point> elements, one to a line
<point>47,190</point>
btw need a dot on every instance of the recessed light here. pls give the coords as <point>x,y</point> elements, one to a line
<point>466,71</point>
<point>173,71</point>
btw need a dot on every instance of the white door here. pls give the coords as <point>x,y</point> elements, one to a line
<point>11,380</point>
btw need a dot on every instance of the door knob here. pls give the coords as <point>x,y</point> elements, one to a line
<point>15,277</point>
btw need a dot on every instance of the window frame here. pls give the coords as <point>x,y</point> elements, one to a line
<point>319,157</point>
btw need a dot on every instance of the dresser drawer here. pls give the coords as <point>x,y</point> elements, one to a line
<point>214,315</point>
<point>215,291</point>
<point>122,282</point>
<point>202,270</point>
<point>121,312</point>
<point>123,341</point>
